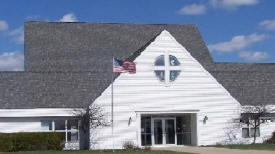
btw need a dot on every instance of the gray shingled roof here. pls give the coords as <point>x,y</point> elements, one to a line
<point>68,65</point>
<point>75,47</point>
<point>250,84</point>
<point>50,90</point>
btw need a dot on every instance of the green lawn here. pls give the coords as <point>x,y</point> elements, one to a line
<point>98,152</point>
<point>250,146</point>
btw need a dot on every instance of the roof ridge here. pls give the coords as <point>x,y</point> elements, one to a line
<point>113,23</point>
<point>244,63</point>
<point>140,50</point>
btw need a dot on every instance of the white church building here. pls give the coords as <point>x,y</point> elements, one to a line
<point>178,95</point>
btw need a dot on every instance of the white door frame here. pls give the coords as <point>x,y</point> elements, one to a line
<point>163,119</point>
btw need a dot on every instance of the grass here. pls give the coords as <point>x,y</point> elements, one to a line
<point>98,152</point>
<point>270,147</point>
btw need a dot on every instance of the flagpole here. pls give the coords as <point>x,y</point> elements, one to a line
<point>112,104</point>
<point>127,66</point>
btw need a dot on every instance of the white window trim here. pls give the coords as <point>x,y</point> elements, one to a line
<point>66,131</point>
<point>163,130</point>
<point>167,68</point>
<point>249,128</point>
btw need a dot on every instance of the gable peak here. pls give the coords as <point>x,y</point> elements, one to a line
<point>165,32</point>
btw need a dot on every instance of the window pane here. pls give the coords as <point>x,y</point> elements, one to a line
<point>158,134</point>
<point>148,125</point>
<point>170,131</point>
<point>159,61</point>
<point>146,130</point>
<point>59,124</point>
<point>46,125</point>
<point>183,128</point>
<point>174,75</point>
<point>173,61</point>
<point>252,131</point>
<point>145,124</point>
<point>72,136</point>
<point>73,125</point>
<point>245,132</point>
<point>160,75</point>
<point>184,139</point>
<point>146,139</point>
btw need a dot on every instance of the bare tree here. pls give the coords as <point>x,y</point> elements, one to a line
<point>90,118</point>
<point>254,116</point>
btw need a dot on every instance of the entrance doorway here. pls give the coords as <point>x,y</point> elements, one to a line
<point>164,131</point>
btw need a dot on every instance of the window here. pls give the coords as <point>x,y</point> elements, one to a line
<point>146,131</point>
<point>249,132</point>
<point>69,127</point>
<point>167,68</point>
<point>245,132</point>
<point>183,130</point>
<point>160,61</point>
<point>59,124</point>
<point>72,130</point>
<point>46,125</point>
<point>252,131</point>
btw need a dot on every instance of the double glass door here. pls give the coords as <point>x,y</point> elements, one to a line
<point>164,131</point>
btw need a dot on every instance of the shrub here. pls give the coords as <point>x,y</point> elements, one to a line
<point>271,140</point>
<point>130,146</point>
<point>10,142</point>
<point>147,148</point>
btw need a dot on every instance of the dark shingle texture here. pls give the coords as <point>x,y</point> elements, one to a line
<point>50,90</point>
<point>243,67</point>
<point>78,47</point>
<point>250,84</point>
<point>68,65</point>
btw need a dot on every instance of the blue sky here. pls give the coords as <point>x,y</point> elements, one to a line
<point>234,30</point>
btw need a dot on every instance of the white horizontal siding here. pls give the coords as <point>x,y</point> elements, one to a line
<point>194,89</point>
<point>38,112</point>
<point>13,125</point>
<point>266,131</point>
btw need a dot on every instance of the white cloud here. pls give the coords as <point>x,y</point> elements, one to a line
<point>3,25</point>
<point>32,17</point>
<point>70,17</point>
<point>17,35</point>
<point>268,24</point>
<point>237,43</point>
<point>232,4</point>
<point>253,56</point>
<point>12,61</point>
<point>193,9</point>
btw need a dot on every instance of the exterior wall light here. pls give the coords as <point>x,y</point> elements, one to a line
<point>129,121</point>
<point>205,119</point>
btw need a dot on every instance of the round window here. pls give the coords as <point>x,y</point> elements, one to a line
<point>168,66</point>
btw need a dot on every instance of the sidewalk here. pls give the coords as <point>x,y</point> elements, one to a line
<point>213,150</point>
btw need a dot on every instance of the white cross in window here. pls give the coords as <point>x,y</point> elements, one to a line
<point>167,68</point>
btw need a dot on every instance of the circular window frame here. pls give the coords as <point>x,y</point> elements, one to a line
<point>166,68</point>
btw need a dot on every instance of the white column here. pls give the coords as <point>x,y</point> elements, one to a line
<point>66,122</point>
<point>138,122</point>
<point>53,126</point>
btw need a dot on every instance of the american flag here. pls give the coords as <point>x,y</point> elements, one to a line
<point>120,66</point>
